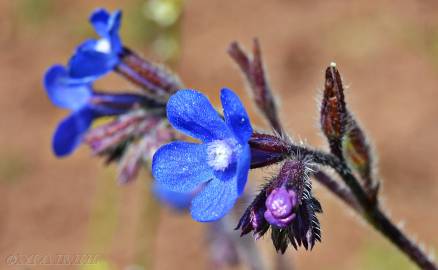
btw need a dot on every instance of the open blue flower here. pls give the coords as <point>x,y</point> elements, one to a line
<point>219,164</point>
<point>177,200</point>
<point>85,104</point>
<point>94,58</point>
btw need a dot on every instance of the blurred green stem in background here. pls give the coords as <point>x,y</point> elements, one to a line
<point>104,218</point>
<point>383,255</point>
<point>157,24</point>
<point>148,224</point>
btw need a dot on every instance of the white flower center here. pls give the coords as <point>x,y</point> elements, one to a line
<point>219,155</point>
<point>103,45</point>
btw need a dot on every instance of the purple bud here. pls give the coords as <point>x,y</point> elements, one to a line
<point>279,207</point>
<point>278,222</point>
<point>281,202</point>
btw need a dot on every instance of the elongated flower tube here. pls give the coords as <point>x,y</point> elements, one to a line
<point>85,104</point>
<point>220,162</point>
<point>157,81</point>
<point>94,58</point>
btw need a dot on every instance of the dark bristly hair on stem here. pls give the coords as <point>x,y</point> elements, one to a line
<point>350,156</point>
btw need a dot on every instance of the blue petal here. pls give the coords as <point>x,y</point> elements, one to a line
<point>176,200</point>
<point>68,134</point>
<point>218,196</point>
<point>190,112</point>
<point>99,19</point>
<point>235,115</point>
<point>89,64</point>
<point>181,166</point>
<point>243,165</point>
<point>107,26</point>
<point>62,91</point>
<point>105,23</point>
<point>114,25</point>
<point>214,201</point>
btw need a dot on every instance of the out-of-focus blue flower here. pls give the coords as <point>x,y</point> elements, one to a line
<point>219,164</point>
<point>176,200</point>
<point>85,104</point>
<point>94,58</point>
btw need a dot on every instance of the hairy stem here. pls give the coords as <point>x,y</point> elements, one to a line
<point>340,191</point>
<point>254,71</point>
<point>383,224</point>
<point>372,211</point>
<point>364,201</point>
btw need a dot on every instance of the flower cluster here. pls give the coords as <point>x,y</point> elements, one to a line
<point>210,175</point>
<point>138,126</point>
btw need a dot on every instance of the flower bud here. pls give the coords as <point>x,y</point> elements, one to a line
<point>252,68</point>
<point>279,207</point>
<point>334,115</point>
<point>285,204</point>
<point>267,150</point>
<point>357,153</point>
<point>131,139</point>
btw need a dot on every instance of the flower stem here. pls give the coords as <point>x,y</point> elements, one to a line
<point>371,208</point>
<point>340,191</point>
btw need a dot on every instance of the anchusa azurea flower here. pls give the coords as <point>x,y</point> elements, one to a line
<point>85,104</point>
<point>95,58</point>
<point>220,163</point>
<point>138,126</point>
<point>285,204</point>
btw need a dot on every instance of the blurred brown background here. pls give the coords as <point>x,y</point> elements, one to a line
<point>387,52</point>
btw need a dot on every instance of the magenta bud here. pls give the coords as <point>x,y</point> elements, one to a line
<point>278,222</point>
<point>279,207</point>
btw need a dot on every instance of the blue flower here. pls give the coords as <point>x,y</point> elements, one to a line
<point>177,200</point>
<point>85,104</point>
<point>95,58</point>
<point>219,164</point>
